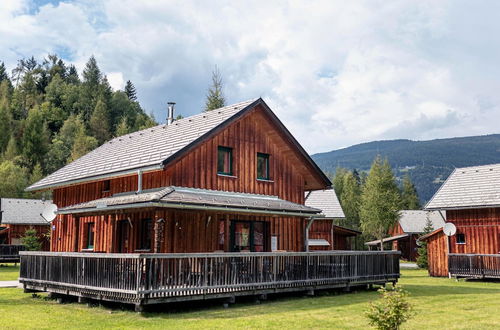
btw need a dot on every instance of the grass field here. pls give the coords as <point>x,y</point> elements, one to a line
<point>9,272</point>
<point>439,303</point>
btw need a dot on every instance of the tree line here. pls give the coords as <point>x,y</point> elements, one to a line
<point>372,201</point>
<point>50,115</point>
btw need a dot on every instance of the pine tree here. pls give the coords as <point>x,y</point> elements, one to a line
<point>72,76</point>
<point>99,122</point>
<point>380,201</point>
<point>422,259</point>
<point>30,240</point>
<point>91,87</point>
<point>35,141</point>
<point>122,127</point>
<point>409,195</point>
<point>338,181</point>
<point>11,152</point>
<point>130,91</point>
<point>3,73</point>
<point>5,127</point>
<point>215,97</point>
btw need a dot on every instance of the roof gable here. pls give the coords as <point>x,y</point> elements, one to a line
<point>153,148</point>
<point>327,201</point>
<point>469,187</point>
<point>17,211</point>
<point>414,221</point>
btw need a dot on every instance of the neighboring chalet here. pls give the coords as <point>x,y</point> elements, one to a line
<point>18,215</point>
<point>325,233</point>
<point>163,206</point>
<point>406,232</point>
<point>471,199</point>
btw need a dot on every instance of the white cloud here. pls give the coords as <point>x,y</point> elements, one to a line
<point>336,72</point>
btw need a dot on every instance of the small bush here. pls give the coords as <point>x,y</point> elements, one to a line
<point>389,312</point>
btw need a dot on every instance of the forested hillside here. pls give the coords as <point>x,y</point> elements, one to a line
<point>51,115</point>
<point>427,162</point>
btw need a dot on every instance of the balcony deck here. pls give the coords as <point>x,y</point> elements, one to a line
<point>143,279</point>
<point>474,265</point>
<point>10,252</point>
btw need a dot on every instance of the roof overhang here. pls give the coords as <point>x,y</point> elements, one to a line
<point>388,239</point>
<point>432,233</point>
<point>467,207</point>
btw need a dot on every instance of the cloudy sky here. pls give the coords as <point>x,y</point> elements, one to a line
<point>337,73</point>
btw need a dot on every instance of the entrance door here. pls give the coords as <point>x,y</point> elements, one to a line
<point>249,236</point>
<point>122,236</point>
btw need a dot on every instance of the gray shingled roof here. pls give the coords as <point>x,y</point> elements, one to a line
<point>181,197</point>
<point>22,211</point>
<point>327,201</point>
<point>143,149</point>
<point>413,221</point>
<point>469,187</point>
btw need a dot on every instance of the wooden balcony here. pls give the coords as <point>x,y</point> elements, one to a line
<point>10,252</point>
<point>474,265</point>
<point>143,279</point>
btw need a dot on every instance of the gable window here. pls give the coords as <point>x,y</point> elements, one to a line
<point>145,235</point>
<point>224,161</point>
<point>90,236</point>
<point>460,238</point>
<point>262,166</point>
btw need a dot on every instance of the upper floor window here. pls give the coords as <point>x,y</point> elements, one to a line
<point>90,236</point>
<point>106,186</point>
<point>225,161</point>
<point>262,166</point>
<point>460,238</point>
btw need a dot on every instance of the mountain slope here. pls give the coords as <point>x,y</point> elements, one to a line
<point>428,162</point>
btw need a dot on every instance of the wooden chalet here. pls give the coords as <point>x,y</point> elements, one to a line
<point>161,208</point>
<point>325,233</point>
<point>18,215</point>
<point>406,232</point>
<point>471,199</point>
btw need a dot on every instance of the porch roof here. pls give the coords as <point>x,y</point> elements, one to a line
<point>194,199</point>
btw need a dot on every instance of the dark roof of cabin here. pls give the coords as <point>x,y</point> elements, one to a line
<point>186,198</point>
<point>152,148</point>
<point>327,201</point>
<point>17,211</point>
<point>469,187</point>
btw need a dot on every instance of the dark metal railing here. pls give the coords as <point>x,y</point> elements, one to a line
<point>10,252</point>
<point>144,278</point>
<point>474,265</point>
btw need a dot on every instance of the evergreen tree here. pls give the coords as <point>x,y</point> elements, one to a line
<point>35,139</point>
<point>91,87</point>
<point>338,181</point>
<point>350,198</point>
<point>30,240</point>
<point>380,201</point>
<point>122,127</point>
<point>36,175</point>
<point>422,259</point>
<point>72,76</point>
<point>3,73</point>
<point>83,145</point>
<point>99,122</point>
<point>5,127</point>
<point>11,152</point>
<point>409,196</point>
<point>130,91</point>
<point>215,97</point>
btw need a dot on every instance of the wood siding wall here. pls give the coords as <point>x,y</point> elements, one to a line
<point>17,231</point>
<point>481,228</point>
<point>322,229</point>
<point>248,136</point>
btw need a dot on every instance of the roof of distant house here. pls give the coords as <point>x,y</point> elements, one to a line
<point>153,148</point>
<point>469,187</point>
<point>414,221</point>
<point>327,201</point>
<point>16,211</point>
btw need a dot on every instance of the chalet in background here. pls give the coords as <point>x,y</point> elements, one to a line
<point>406,232</point>
<point>18,215</point>
<point>162,206</point>
<point>325,233</point>
<point>471,199</point>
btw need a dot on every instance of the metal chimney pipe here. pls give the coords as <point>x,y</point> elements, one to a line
<point>170,118</point>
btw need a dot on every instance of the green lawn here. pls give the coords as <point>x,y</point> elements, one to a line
<point>9,272</point>
<point>439,303</point>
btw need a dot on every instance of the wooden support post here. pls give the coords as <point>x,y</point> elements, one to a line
<point>159,233</point>
<point>139,308</point>
<point>310,292</point>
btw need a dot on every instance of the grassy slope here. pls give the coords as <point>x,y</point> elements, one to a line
<point>438,302</point>
<point>8,272</point>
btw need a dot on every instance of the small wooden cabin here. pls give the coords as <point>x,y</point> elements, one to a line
<point>471,199</point>
<point>18,215</point>
<point>232,179</point>
<point>404,235</point>
<point>326,233</point>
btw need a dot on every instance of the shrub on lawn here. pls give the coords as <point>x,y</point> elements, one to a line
<point>389,312</point>
<point>30,240</point>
